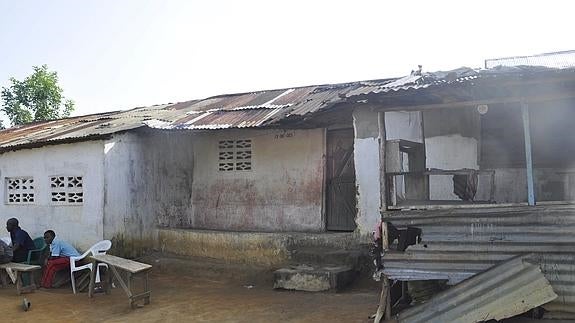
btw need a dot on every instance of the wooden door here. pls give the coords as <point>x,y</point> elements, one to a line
<point>341,191</point>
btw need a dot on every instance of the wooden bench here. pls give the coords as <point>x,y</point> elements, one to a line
<point>132,269</point>
<point>14,270</point>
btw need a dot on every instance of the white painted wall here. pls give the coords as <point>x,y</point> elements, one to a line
<point>366,159</point>
<point>81,225</point>
<point>367,170</point>
<point>283,192</point>
<point>449,152</point>
<point>403,125</point>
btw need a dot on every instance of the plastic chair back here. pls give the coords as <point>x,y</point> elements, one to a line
<point>35,256</point>
<point>101,247</point>
<point>39,243</point>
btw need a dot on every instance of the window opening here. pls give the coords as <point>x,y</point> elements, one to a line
<point>235,155</point>
<point>20,190</point>
<point>67,190</point>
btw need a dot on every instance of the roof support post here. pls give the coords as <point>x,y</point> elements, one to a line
<point>382,178</point>
<point>528,156</point>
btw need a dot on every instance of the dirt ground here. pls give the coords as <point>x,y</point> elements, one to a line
<point>192,299</point>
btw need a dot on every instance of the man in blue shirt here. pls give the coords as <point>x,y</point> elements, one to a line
<point>21,241</point>
<point>59,259</point>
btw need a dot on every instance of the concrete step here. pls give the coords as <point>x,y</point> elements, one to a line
<point>325,256</point>
<point>314,278</point>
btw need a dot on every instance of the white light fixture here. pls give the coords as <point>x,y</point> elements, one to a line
<point>482,109</point>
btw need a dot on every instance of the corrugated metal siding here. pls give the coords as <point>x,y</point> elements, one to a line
<point>459,243</point>
<point>563,59</point>
<point>508,289</point>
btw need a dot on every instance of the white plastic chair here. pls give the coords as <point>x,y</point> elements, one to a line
<point>100,247</point>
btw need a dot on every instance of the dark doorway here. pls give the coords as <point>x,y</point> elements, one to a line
<point>341,191</point>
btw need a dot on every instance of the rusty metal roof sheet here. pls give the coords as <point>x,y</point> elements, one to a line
<point>257,109</point>
<point>81,128</point>
<point>459,243</point>
<point>505,290</point>
<point>222,119</point>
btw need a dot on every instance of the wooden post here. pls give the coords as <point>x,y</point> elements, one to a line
<point>382,178</point>
<point>92,279</point>
<point>19,284</point>
<point>384,308</point>
<point>528,157</point>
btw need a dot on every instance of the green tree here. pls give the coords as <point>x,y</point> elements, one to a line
<point>37,98</point>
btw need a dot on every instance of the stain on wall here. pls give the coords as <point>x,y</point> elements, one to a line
<point>148,183</point>
<point>282,192</point>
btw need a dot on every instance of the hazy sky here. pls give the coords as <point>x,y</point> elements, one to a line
<point>114,55</point>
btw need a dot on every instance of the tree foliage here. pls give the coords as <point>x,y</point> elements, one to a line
<point>37,98</point>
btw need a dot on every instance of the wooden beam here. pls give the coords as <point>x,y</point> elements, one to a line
<point>514,99</point>
<point>382,178</point>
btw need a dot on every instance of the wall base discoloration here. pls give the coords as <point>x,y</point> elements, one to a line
<point>130,247</point>
<point>264,249</point>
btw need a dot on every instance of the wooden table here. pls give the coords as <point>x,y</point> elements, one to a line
<point>18,269</point>
<point>133,269</point>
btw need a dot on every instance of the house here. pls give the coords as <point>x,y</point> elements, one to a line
<point>479,161</point>
<point>479,165</point>
<point>228,173</point>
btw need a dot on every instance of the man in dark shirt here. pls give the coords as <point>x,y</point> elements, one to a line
<point>21,241</point>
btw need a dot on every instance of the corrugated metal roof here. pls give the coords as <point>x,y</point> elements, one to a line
<point>254,109</point>
<point>564,59</point>
<point>257,109</point>
<point>223,119</point>
<point>81,128</point>
<point>508,289</point>
<point>459,243</point>
<point>416,81</point>
<point>458,77</point>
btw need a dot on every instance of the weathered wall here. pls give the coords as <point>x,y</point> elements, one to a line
<point>451,142</point>
<point>148,182</point>
<point>79,224</point>
<point>551,184</point>
<point>367,169</point>
<point>405,125</point>
<point>282,192</point>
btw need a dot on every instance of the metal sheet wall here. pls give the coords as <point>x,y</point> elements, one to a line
<point>459,243</point>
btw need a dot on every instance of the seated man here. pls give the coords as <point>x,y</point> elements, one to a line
<point>5,252</point>
<point>60,253</point>
<point>21,241</point>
